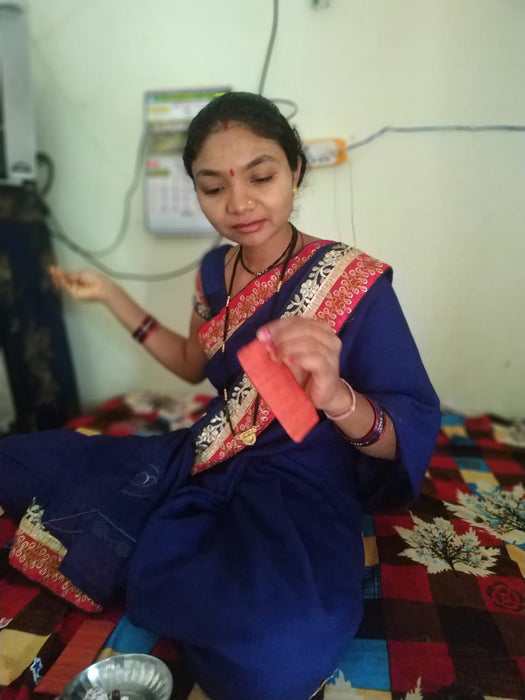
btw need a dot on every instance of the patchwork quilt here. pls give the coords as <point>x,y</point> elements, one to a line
<point>444,588</point>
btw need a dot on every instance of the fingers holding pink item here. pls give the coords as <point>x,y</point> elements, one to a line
<point>279,388</point>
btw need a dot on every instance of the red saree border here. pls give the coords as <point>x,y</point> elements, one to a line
<point>249,299</point>
<point>37,554</point>
<point>331,291</point>
<point>332,297</point>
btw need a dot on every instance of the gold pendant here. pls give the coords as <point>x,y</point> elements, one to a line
<point>248,436</point>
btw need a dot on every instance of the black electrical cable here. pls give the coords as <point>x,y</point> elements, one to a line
<point>126,210</point>
<point>124,223</point>
<point>290,103</point>
<point>269,50</point>
<point>91,256</point>
<point>264,73</point>
<point>446,127</point>
<point>421,129</point>
<point>56,232</point>
<point>46,161</point>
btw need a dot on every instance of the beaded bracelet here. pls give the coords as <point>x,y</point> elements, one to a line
<point>146,327</point>
<point>350,410</point>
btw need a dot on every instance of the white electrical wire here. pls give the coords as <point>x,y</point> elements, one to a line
<point>447,127</point>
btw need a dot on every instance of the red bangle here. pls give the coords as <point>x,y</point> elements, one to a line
<point>375,433</point>
<point>146,327</point>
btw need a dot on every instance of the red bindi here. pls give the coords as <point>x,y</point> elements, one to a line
<point>225,124</point>
<point>232,172</point>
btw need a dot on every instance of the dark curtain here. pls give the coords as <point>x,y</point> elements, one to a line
<point>32,333</point>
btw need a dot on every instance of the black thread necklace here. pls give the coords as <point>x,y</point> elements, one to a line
<point>249,436</point>
<point>262,272</point>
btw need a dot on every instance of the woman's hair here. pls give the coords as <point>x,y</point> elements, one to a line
<point>255,112</point>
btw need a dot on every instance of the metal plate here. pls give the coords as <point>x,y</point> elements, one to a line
<point>135,676</point>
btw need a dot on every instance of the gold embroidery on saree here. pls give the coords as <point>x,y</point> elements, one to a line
<point>246,303</point>
<point>334,286</point>
<point>38,554</point>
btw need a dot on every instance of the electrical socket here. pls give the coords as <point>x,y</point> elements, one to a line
<point>323,153</point>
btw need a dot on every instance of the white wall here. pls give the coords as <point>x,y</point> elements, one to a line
<point>446,209</point>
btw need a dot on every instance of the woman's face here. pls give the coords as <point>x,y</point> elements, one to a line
<point>244,185</point>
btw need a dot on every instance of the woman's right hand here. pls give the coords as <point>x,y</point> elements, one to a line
<point>85,284</point>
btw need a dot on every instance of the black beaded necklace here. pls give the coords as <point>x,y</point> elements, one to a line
<point>240,255</point>
<point>249,436</point>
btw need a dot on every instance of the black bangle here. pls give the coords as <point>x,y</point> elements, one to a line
<point>375,433</point>
<point>145,328</point>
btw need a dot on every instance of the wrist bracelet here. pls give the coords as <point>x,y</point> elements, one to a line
<point>375,433</point>
<point>146,327</point>
<point>350,410</point>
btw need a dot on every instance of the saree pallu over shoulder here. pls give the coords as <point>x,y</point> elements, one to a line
<point>332,278</point>
<point>250,300</point>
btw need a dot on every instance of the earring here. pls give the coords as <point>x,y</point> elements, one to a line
<point>250,202</point>
<point>294,190</point>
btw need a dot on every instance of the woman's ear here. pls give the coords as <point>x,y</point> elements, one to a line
<point>296,174</point>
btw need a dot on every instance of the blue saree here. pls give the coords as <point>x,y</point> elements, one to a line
<point>250,557</point>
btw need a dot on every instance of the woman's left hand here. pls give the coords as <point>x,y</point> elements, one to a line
<point>311,349</point>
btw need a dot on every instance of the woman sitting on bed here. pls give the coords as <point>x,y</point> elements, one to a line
<point>229,537</point>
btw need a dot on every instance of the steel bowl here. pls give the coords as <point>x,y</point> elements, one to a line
<point>131,676</point>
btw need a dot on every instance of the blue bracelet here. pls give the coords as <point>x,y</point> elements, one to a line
<point>375,433</point>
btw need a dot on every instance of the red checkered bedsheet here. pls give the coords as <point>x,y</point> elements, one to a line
<point>444,588</point>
